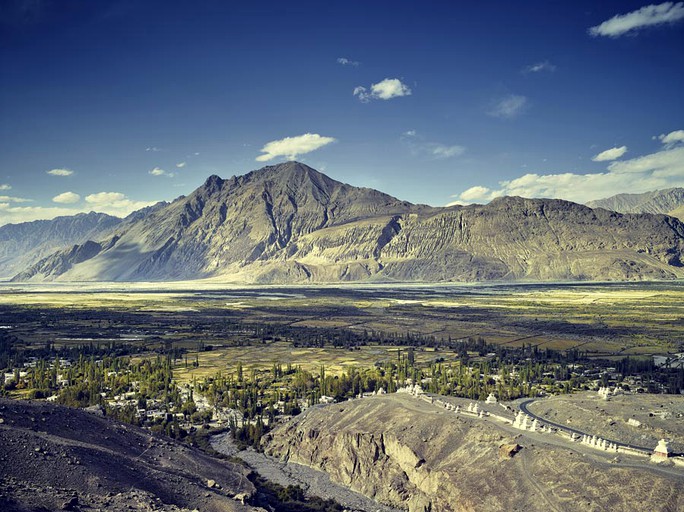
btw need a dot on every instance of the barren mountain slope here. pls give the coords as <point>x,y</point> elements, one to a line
<point>665,201</point>
<point>291,224</point>
<point>413,455</point>
<point>22,245</point>
<point>51,456</point>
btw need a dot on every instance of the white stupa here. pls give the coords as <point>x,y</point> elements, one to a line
<point>661,452</point>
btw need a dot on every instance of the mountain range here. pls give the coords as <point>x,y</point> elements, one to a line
<point>668,201</point>
<point>23,244</point>
<point>289,223</point>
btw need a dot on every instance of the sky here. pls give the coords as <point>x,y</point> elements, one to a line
<point>116,104</point>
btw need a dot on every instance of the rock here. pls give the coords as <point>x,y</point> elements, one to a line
<point>211,483</point>
<point>70,504</point>
<point>507,451</point>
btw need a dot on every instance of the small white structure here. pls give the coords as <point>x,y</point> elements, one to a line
<point>661,452</point>
<point>414,390</point>
<point>491,399</point>
<point>633,423</point>
<point>606,393</point>
<point>522,421</point>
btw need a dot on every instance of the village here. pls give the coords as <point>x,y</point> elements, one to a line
<point>145,393</point>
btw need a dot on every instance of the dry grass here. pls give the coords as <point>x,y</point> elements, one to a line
<point>262,357</point>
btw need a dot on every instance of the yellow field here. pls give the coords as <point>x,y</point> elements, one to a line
<point>262,357</point>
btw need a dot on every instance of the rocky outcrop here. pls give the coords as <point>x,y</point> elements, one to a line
<point>412,455</point>
<point>291,224</point>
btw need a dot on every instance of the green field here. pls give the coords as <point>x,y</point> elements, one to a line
<point>601,319</point>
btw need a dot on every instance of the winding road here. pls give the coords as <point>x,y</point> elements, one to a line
<point>523,407</point>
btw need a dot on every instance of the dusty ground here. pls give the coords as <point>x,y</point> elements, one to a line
<point>54,458</point>
<point>661,416</point>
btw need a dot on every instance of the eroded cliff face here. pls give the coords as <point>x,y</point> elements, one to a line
<point>406,453</point>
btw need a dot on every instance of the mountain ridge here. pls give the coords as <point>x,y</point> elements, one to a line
<point>23,244</point>
<point>668,201</point>
<point>289,223</point>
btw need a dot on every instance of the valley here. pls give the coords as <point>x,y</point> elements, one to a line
<point>191,360</point>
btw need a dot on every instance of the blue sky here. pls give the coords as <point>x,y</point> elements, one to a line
<point>111,105</point>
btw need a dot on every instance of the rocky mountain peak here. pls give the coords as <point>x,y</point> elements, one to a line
<point>212,184</point>
<point>288,223</point>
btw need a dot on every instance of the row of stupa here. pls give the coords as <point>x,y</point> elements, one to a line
<point>601,444</point>
<point>525,422</point>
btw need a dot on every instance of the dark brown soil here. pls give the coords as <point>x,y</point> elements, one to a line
<point>57,458</point>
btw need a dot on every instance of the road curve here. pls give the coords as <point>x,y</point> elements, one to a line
<point>523,407</point>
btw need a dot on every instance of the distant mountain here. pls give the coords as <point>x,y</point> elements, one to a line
<point>22,245</point>
<point>668,201</point>
<point>291,224</point>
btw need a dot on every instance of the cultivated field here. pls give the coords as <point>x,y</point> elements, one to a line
<point>601,319</point>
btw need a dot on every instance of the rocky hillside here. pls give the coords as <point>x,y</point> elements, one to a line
<point>291,224</point>
<point>54,458</point>
<point>22,245</point>
<point>404,452</point>
<point>669,201</point>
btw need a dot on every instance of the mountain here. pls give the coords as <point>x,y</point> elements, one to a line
<point>291,224</point>
<point>668,201</point>
<point>22,245</point>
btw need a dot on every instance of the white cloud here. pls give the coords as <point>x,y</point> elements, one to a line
<point>442,151</point>
<point>114,203</point>
<point>290,147</point>
<point>5,186</point>
<point>15,214</point>
<point>671,138</point>
<point>385,90</point>
<point>648,16</point>
<point>662,169</point>
<point>347,62</point>
<point>161,172</point>
<point>67,198</point>
<point>154,149</point>
<point>539,67</point>
<point>10,199</point>
<point>60,172</point>
<point>509,107</point>
<point>180,165</point>
<point>435,150</point>
<point>669,162</point>
<point>610,154</point>
<point>477,193</point>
